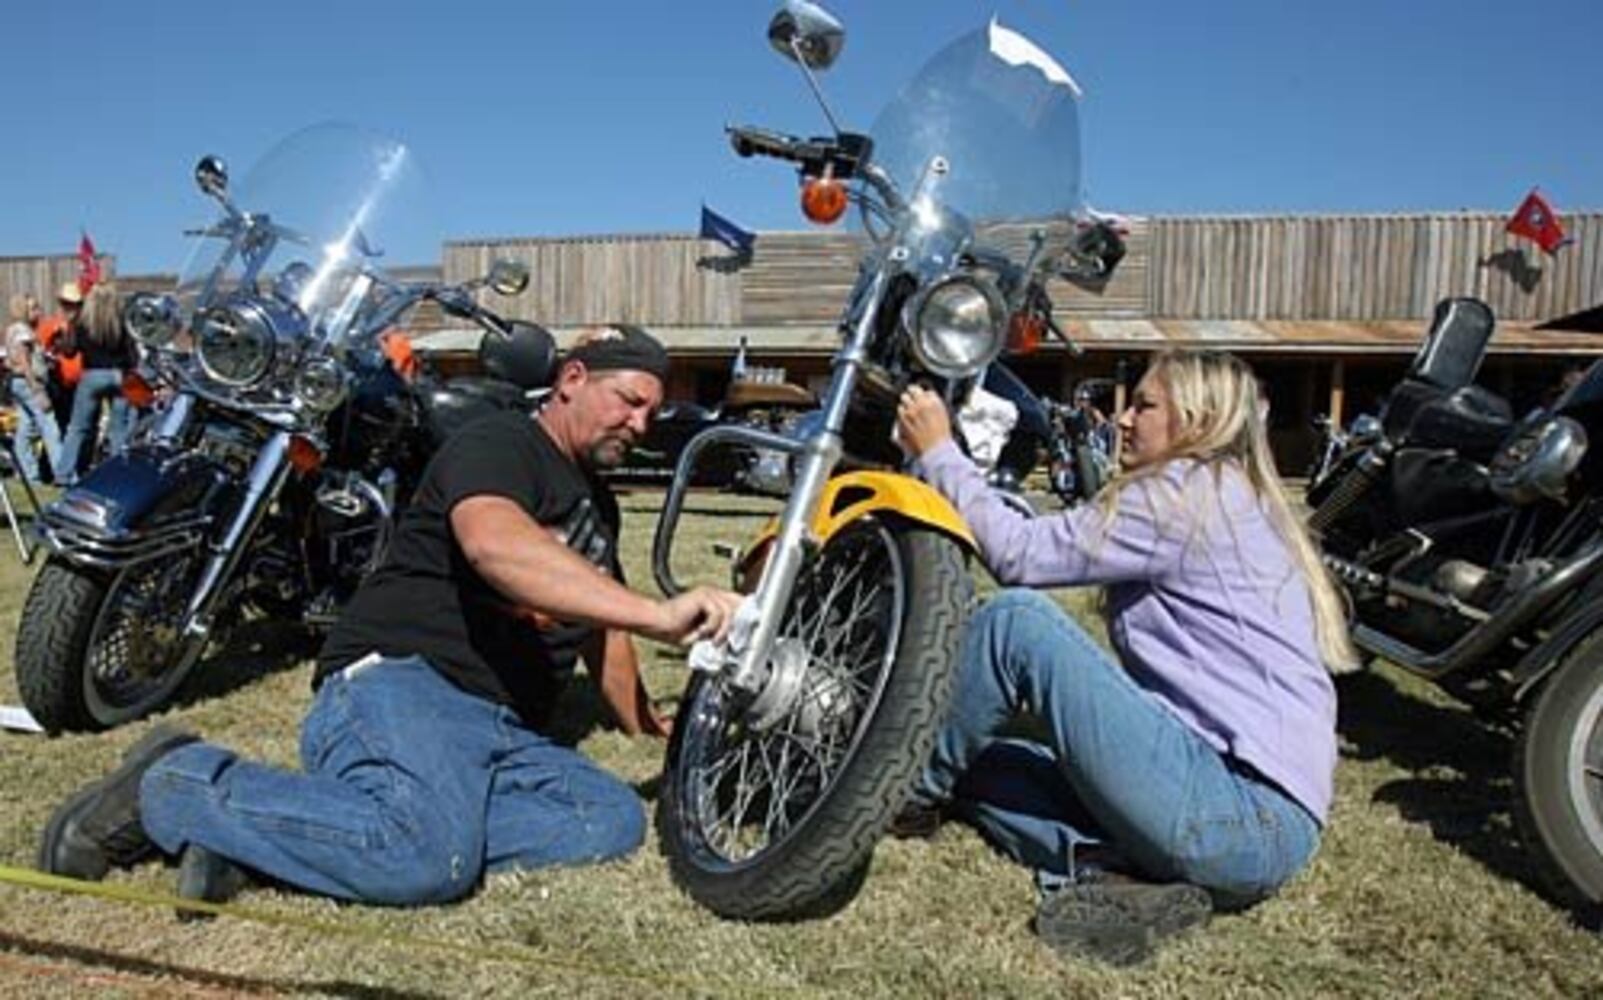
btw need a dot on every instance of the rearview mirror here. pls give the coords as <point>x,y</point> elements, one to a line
<point>212,176</point>
<point>807,33</point>
<point>1094,253</point>
<point>508,276</point>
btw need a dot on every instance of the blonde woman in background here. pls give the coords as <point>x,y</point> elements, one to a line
<point>30,392</point>
<point>1194,770</point>
<point>106,353</point>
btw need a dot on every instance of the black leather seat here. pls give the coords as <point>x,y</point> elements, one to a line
<point>527,357</point>
<point>449,406</point>
<point>1446,362</point>
<point>1471,420</point>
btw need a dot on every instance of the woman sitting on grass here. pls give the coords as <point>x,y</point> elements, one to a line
<point>1195,769</point>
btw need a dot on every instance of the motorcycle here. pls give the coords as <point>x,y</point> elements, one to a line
<point>1469,547</point>
<point>1336,441</point>
<point>280,441</point>
<point>756,396</point>
<point>1076,447</point>
<point>791,754</point>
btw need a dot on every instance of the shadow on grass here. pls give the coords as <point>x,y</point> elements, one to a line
<point>202,978</point>
<point>1459,783</point>
<point>254,650</point>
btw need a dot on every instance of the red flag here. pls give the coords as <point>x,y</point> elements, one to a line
<point>88,265</point>
<point>1535,220</point>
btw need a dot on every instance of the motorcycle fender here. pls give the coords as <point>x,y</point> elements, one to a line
<point>142,488</point>
<point>1534,666</point>
<point>857,494</point>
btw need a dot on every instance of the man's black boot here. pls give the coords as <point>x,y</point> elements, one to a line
<point>1119,921</point>
<point>98,826</point>
<point>208,877</point>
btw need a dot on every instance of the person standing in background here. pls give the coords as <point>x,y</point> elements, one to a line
<point>28,377</point>
<point>106,353</point>
<point>62,371</point>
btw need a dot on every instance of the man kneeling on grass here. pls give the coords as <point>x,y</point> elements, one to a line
<point>424,760</point>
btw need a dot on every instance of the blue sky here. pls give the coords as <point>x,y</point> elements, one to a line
<point>557,117</point>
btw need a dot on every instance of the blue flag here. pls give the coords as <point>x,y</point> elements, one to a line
<point>716,227</point>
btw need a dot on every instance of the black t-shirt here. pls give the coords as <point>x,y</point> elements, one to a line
<point>426,600</point>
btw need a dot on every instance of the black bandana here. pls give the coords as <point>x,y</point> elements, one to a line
<point>623,347</point>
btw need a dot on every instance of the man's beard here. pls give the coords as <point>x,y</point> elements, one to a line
<point>608,453</point>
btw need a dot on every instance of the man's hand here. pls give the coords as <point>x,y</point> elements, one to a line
<point>658,725</point>
<point>702,613</point>
<point>921,421</point>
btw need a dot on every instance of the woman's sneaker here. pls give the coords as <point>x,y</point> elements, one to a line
<point>1119,920</point>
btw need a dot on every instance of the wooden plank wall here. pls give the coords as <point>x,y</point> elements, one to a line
<point>41,276</point>
<point>646,279</point>
<point>1378,267</point>
<point>799,278</point>
<point>1365,267</point>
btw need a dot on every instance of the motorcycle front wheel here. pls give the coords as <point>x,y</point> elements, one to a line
<point>1558,775</point>
<point>97,649</point>
<point>772,804</point>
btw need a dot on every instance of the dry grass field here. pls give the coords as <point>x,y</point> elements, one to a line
<point>1421,888</point>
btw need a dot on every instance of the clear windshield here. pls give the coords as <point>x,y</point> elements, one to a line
<point>324,205</point>
<point>1003,116</point>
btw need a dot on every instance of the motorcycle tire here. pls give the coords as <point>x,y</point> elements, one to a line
<point>777,818</point>
<point>74,668</point>
<point>1558,776</point>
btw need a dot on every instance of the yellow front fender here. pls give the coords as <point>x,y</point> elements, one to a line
<point>855,494</point>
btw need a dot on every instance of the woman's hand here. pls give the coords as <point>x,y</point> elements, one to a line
<point>921,421</point>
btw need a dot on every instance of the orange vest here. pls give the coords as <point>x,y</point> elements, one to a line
<point>68,369</point>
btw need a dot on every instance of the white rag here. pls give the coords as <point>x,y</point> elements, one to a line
<point>17,719</point>
<point>709,657</point>
<point>986,419</point>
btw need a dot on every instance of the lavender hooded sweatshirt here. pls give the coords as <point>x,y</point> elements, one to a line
<point>1207,610</point>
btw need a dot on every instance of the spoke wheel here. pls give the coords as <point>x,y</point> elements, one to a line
<point>773,801</point>
<point>130,664</point>
<point>1558,772</point>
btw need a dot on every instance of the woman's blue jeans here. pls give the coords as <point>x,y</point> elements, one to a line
<point>34,419</point>
<point>94,385</point>
<point>1118,770</point>
<point>412,788</point>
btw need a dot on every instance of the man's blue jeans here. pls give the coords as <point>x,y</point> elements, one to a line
<point>1119,770</point>
<point>412,789</point>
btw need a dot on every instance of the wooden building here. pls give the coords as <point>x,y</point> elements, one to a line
<point>1328,309</point>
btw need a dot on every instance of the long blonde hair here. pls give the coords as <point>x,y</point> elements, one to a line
<point>102,315</point>
<point>1218,419</point>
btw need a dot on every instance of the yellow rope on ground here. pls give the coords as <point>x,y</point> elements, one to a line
<point>27,878</point>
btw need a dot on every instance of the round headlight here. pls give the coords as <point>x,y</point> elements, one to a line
<point>958,326</point>
<point>152,320</point>
<point>234,344</point>
<point>320,383</point>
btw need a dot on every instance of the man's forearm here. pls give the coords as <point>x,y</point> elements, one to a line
<point>534,571</point>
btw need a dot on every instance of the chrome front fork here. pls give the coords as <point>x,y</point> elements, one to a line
<point>265,479</point>
<point>818,456</point>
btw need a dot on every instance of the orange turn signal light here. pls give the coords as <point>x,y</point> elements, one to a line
<point>823,200</point>
<point>304,456</point>
<point>136,390</point>
<point>1025,331</point>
